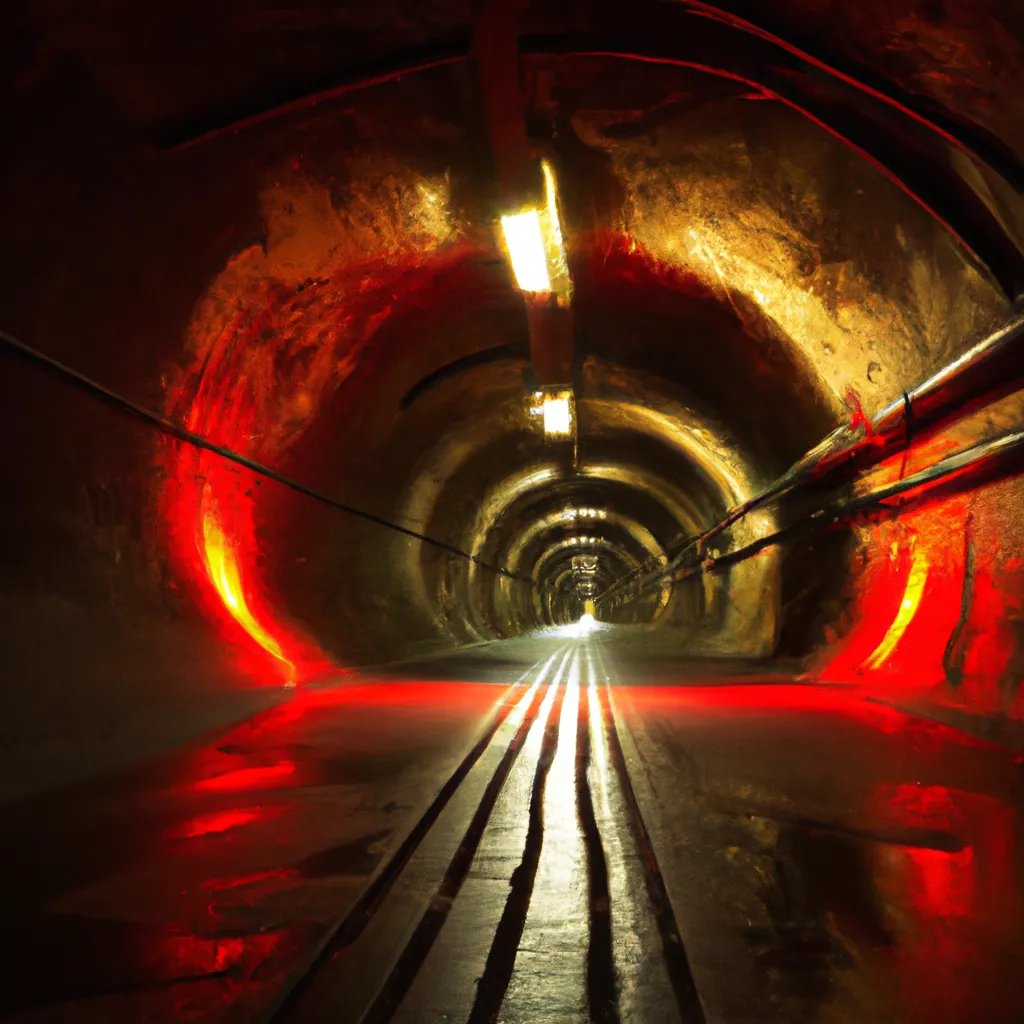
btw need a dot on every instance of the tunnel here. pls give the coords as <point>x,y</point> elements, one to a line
<point>512,511</point>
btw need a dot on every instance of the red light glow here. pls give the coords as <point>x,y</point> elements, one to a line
<point>186,956</point>
<point>277,876</point>
<point>223,570</point>
<point>940,884</point>
<point>191,954</point>
<point>213,531</point>
<point>907,600</point>
<point>221,821</point>
<point>211,516</point>
<point>908,609</point>
<point>247,778</point>
<point>266,353</point>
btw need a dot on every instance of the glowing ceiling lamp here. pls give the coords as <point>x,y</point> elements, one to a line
<point>557,413</point>
<point>526,251</point>
<point>533,238</point>
<point>585,513</point>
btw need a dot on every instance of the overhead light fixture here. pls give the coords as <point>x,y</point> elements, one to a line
<point>526,251</point>
<point>533,238</point>
<point>557,411</point>
<point>585,513</point>
<point>556,408</point>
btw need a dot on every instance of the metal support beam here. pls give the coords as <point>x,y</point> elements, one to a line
<point>495,52</point>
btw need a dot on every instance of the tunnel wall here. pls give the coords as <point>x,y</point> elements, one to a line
<point>935,612</point>
<point>106,658</point>
<point>111,648</point>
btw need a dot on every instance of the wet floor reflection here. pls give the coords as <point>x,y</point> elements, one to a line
<point>955,905</point>
<point>837,861</point>
<point>548,979</point>
<point>446,985</point>
<point>186,888</point>
<point>557,897</point>
<point>816,857</point>
<point>643,988</point>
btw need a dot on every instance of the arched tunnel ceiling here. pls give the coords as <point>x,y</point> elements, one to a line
<point>170,65</point>
<point>742,281</point>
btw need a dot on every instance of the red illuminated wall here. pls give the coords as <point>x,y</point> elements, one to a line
<point>265,355</point>
<point>937,607</point>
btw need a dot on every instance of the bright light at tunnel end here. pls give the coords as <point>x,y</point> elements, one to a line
<point>584,626</point>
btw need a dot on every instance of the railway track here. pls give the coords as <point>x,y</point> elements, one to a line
<point>528,890</point>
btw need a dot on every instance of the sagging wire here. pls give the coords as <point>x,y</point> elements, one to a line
<point>181,433</point>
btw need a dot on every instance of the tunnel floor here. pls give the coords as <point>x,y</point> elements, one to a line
<point>549,829</point>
